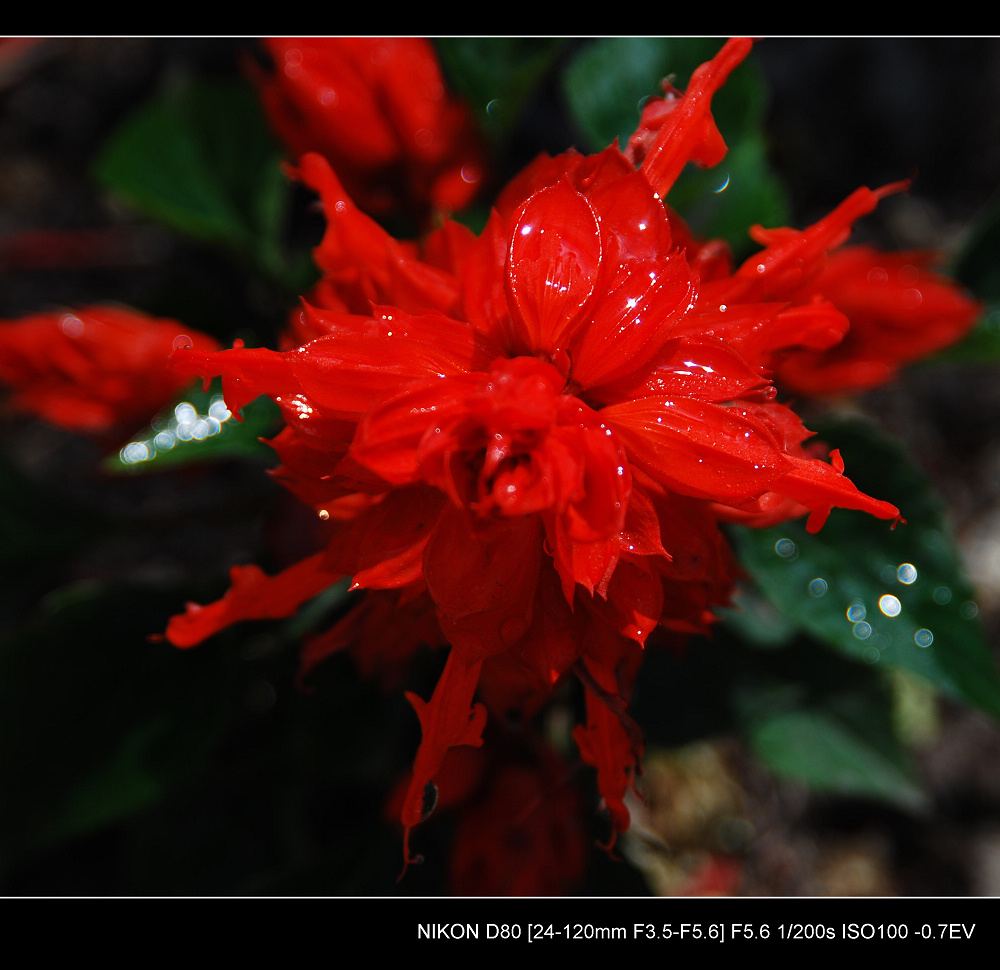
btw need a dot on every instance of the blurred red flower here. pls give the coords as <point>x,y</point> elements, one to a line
<point>900,310</point>
<point>377,109</point>
<point>97,370</point>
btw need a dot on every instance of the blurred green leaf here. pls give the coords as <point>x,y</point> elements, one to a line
<point>845,747</point>
<point>978,266</point>
<point>199,428</point>
<point>725,201</point>
<point>893,598</point>
<point>607,82</point>
<point>497,75</point>
<point>202,161</point>
<point>980,346</point>
<point>812,717</point>
<point>605,86</point>
<point>808,713</point>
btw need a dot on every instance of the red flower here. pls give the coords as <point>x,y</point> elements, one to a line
<point>98,370</point>
<point>899,308</point>
<point>519,833</point>
<point>530,437</point>
<point>376,108</point>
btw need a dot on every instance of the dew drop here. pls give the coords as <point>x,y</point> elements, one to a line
<point>430,800</point>
<point>785,548</point>
<point>889,605</point>
<point>968,610</point>
<point>71,325</point>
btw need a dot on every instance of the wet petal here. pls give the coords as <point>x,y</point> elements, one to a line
<point>697,448</point>
<point>555,254</point>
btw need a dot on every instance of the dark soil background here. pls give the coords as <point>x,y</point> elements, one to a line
<point>845,112</point>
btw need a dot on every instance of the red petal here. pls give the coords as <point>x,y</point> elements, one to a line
<point>792,257</point>
<point>555,254</point>
<point>610,741</point>
<point>447,720</point>
<point>252,596</point>
<point>632,317</point>
<point>383,547</point>
<point>697,448</point>
<point>483,582</point>
<point>634,223</point>
<point>820,487</point>
<point>688,129</point>
<point>707,370</point>
<point>389,437</point>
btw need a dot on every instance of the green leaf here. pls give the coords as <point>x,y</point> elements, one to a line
<point>497,75</point>
<point>809,713</point>
<point>980,346</point>
<point>199,428</point>
<point>607,82</point>
<point>725,201</point>
<point>815,717</point>
<point>202,161</point>
<point>887,598</point>
<point>843,745</point>
<point>605,86</point>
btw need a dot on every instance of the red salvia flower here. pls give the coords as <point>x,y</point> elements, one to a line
<point>523,443</point>
<point>98,370</point>
<point>377,109</point>
<point>899,309</point>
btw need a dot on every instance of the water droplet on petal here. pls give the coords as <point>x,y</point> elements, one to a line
<point>72,325</point>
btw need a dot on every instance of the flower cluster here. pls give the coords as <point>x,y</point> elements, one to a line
<point>378,110</point>
<point>522,444</point>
